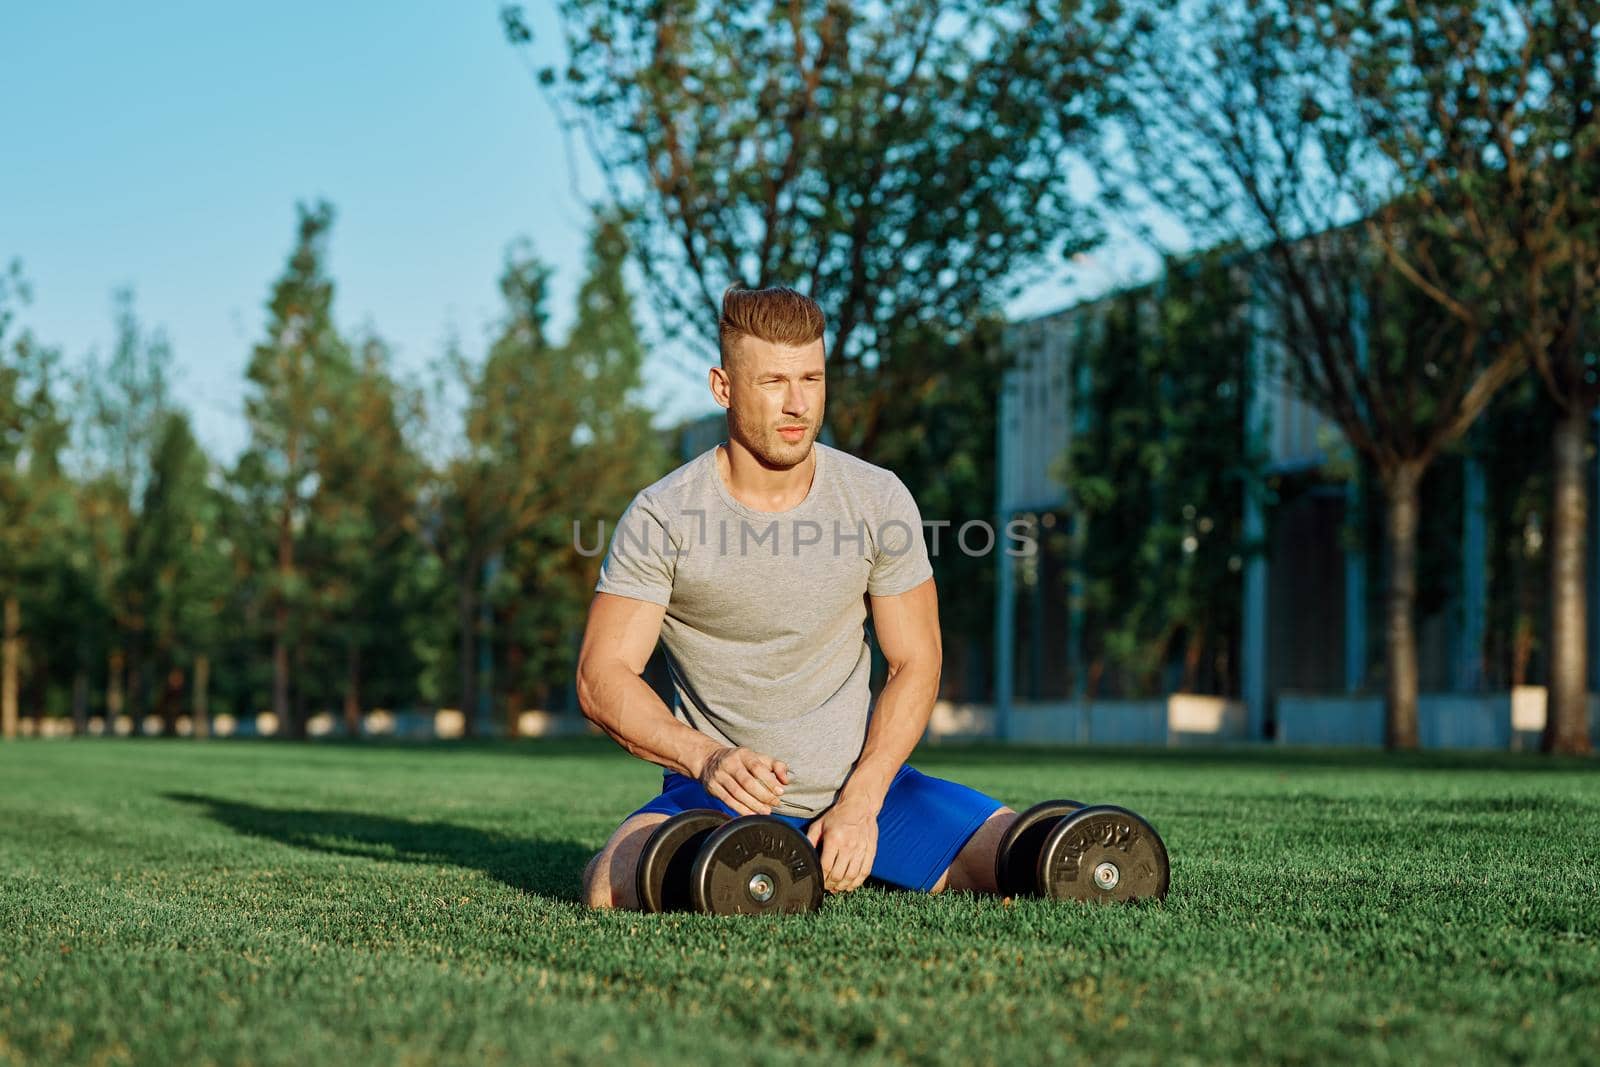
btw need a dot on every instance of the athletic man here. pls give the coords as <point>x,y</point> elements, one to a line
<point>756,565</point>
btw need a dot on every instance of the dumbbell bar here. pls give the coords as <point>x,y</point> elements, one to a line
<point>1069,851</point>
<point>703,860</point>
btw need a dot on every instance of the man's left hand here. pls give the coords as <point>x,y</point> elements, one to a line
<point>846,837</point>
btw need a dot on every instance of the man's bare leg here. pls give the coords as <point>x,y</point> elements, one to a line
<point>973,869</point>
<point>609,879</point>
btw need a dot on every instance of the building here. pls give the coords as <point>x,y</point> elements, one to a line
<point>1308,636</point>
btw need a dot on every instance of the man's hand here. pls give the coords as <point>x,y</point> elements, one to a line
<point>746,781</point>
<point>846,836</point>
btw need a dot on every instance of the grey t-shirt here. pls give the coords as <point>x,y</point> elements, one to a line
<point>764,629</point>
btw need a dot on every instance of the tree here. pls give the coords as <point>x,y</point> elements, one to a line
<point>249,507</point>
<point>520,414</point>
<point>177,563</point>
<point>939,438</point>
<point>903,163</point>
<point>33,501</point>
<point>1236,122</point>
<point>544,585</point>
<point>551,432</point>
<point>362,524</point>
<point>126,401</point>
<point>294,374</point>
<point>1157,472</point>
<point>14,420</point>
<point>1487,109</point>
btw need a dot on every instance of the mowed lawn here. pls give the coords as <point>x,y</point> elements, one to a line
<point>182,902</point>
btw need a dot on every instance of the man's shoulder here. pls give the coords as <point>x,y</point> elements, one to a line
<point>676,484</point>
<point>858,471</point>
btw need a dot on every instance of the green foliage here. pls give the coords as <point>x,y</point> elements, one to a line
<point>553,434</point>
<point>33,434</point>
<point>939,438</point>
<point>127,401</point>
<point>298,377</point>
<point>610,451</point>
<point>36,512</point>
<point>125,408</point>
<point>361,533</point>
<point>333,564</point>
<point>902,163</point>
<point>1242,122</point>
<point>1157,470</point>
<point>1486,109</point>
<point>177,560</point>
<point>1254,125</point>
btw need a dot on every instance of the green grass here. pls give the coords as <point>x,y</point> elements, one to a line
<point>179,902</point>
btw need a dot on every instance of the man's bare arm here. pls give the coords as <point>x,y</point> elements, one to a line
<point>846,834</point>
<point>907,626</point>
<point>617,642</point>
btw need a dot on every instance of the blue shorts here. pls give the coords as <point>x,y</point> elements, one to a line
<point>923,824</point>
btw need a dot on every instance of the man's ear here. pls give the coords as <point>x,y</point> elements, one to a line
<point>721,387</point>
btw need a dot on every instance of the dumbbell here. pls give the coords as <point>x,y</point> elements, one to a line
<point>1069,851</point>
<point>707,861</point>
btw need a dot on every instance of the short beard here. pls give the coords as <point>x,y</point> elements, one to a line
<point>771,449</point>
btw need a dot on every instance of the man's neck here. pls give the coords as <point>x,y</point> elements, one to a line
<point>764,488</point>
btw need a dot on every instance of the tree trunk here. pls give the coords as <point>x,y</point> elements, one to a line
<point>1193,650</point>
<point>280,615</point>
<point>171,699</point>
<point>515,657</point>
<point>134,692</point>
<point>39,698</point>
<point>10,653</point>
<point>1566,725</point>
<point>80,702</point>
<point>298,705</point>
<point>280,666</point>
<point>202,697</point>
<point>467,614</point>
<point>1402,489</point>
<point>352,691</point>
<point>115,664</point>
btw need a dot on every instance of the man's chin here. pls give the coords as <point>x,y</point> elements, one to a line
<point>783,453</point>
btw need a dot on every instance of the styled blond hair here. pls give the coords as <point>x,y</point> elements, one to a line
<point>778,315</point>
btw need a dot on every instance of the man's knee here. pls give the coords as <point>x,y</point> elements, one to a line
<point>973,869</point>
<point>596,893</point>
<point>608,880</point>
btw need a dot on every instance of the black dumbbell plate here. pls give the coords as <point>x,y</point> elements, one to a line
<point>755,865</point>
<point>668,857</point>
<point>1015,863</point>
<point>1103,853</point>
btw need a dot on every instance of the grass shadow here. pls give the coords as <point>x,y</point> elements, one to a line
<point>545,867</point>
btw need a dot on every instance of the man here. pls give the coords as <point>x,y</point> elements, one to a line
<point>756,565</point>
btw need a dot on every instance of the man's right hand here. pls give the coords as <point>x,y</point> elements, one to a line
<point>746,781</point>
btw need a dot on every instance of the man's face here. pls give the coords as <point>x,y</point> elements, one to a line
<point>774,394</point>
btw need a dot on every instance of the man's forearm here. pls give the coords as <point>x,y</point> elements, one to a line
<point>623,705</point>
<point>898,722</point>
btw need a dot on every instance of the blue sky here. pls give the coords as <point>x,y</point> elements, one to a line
<point>163,146</point>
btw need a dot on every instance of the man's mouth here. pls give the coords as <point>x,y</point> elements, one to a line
<point>792,433</point>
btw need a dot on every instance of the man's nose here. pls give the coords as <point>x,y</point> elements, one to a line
<point>794,400</point>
